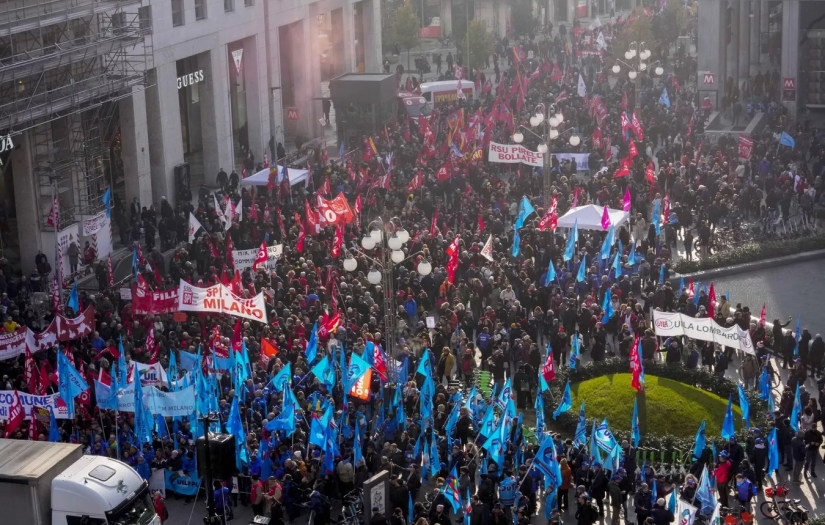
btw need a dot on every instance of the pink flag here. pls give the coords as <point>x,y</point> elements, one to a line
<point>761,315</point>
<point>626,204</point>
<point>605,219</point>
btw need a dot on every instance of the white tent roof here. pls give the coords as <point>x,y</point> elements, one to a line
<point>296,176</point>
<point>590,217</point>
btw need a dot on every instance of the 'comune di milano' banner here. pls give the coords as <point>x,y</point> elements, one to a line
<point>704,329</point>
<point>220,299</point>
<point>514,154</point>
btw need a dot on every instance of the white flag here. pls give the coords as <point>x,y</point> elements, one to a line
<point>582,87</point>
<point>218,209</point>
<point>487,251</point>
<point>600,41</point>
<point>194,226</point>
<point>227,214</point>
<point>595,23</point>
<point>685,512</point>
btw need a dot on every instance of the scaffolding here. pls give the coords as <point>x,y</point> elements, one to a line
<point>64,65</point>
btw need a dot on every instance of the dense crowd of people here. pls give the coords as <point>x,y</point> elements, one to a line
<point>495,311</point>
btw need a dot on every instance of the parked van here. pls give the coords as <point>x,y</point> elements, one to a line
<point>446,91</point>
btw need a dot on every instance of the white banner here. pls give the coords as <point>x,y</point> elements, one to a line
<point>244,258</point>
<point>669,324</point>
<point>513,154</point>
<point>220,299</point>
<point>150,375</point>
<point>685,512</point>
<point>169,404</point>
<point>582,159</point>
<point>92,225</point>
<point>28,400</point>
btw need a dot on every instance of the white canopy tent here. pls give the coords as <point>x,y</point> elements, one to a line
<point>296,176</point>
<point>589,217</point>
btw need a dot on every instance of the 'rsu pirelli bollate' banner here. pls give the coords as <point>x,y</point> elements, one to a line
<point>514,154</point>
<point>220,299</point>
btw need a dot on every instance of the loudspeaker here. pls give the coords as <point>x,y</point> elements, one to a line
<point>222,455</point>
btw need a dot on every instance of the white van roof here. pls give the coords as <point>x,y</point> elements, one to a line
<point>94,482</point>
<point>452,84</point>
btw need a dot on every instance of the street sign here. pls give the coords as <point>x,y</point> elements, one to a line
<point>292,113</point>
<point>789,83</point>
<point>708,78</point>
<point>789,89</point>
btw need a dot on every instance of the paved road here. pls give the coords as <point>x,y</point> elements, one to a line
<point>793,290</point>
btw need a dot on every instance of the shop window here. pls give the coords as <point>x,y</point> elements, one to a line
<point>177,13</point>
<point>145,17</point>
<point>228,6</point>
<point>248,3</point>
<point>200,9</point>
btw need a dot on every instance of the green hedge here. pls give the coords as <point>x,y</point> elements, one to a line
<point>666,443</point>
<point>753,252</point>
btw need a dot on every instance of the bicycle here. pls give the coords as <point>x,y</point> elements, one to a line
<point>735,517</point>
<point>790,510</point>
<point>352,510</point>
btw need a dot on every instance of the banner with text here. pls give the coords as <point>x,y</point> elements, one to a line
<point>514,154</point>
<point>92,225</point>
<point>244,258</point>
<point>220,299</point>
<point>167,404</point>
<point>582,159</point>
<point>185,485</point>
<point>704,329</point>
<point>28,400</point>
<point>148,302</point>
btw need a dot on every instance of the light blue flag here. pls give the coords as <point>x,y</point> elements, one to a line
<point>566,402</point>
<point>713,450</point>
<point>617,264</point>
<point>797,409</point>
<point>539,406</point>
<point>614,460</point>
<point>324,372</point>
<point>547,463</point>
<point>570,247</point>
<point>400,418</point>
<point>122,370</point>
<point>574,350</point>
<point>74,299</point>
<point>317,434</point>
<point>664,99</point>
<point>435,461</point>
<point>582,275</point>
<point>699,442</point>
<point>608,242</point>
<point>516,243</point>
<point>636,433</point>
<point>745,406</point>
<point>593,450</point>
<point>488,423</point>
<point>681,285</point>
<point>607,306</point>
<point>771,408</point>
<point>494,444</point>
<point>773,452</point>
<point>283,378</point>
<point>107,201</point>
<point>286,419</point>
<point>410,509</point>
<point>425,366</point>
<point>550,276</point>
<point>654,493</point>
<point>71,383</point>
<point>673,501</point>
<point>525,210</point>
<point>357,368</point>
<point>452,420</point>
<point>143,417</point>
<point>54,431</point>
<point>764,384</point>
<point>604,438</point>
<point>426,398</point>
<point>356,449</point>
<point>655,218</point>
<point>580,437</point>
<point>235,427</point>
<point>242,365</point>
<point>312,345</point>
<point>705,493</point>
<point>787,140</point>
<point>632,257</point>
<point>172,373</point>
<point>662,274</point>
<point>105,396</point>
<point>727,426</point>
<point>696,290</point>
<point>797,335</point>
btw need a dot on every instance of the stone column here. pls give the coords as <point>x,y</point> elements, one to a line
<point>755,21</point>
<point>163,125</point>
<point>216,122</point>
<point>372,36</point>
<point>790,51</point>
<point>744,42</point>
<point>711,49</point>
<point>733,47</point>
<point>134,132</point>
<point>764,16</point>
<point>257,101</point>
<point>29,212</point>
<point>446,17</point>
<point>349,38</point>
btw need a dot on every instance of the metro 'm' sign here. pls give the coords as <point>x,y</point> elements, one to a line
<point>708,78</point>
<point>292,113</point>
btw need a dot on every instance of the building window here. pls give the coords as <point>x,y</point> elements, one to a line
<point>228,5</point>
<point>249,3</point>
<point>145,16</point>
<point>200,9</point>
<point>177,13</point>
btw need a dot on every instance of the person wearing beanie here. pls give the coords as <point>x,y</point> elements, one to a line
<point>616,497</point>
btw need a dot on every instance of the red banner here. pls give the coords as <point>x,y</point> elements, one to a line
<point>154,303</point>
<point>745,147</point>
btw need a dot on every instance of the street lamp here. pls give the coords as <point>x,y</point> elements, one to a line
<point>639,66</point>
<point>390,238</point>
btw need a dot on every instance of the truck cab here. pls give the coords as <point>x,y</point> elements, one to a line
<point>55,484</point>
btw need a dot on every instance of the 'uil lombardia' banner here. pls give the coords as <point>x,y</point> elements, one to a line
<point>220,299</point>
<point>704,329</point>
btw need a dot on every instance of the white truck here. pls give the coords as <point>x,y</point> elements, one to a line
<point>45,483</point>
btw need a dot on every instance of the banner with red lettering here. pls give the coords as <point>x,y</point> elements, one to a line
<point>220,299</point>
<point>147,302</point>
<point>514,154</point>
<point>82,325</point>
<point>60,329</point>
<point>745,147</point>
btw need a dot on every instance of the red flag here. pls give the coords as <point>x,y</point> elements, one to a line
<point>326,189</point>
<point>666,209</point>
<point>637,127</point>
<point>299,243</point>
<point>625,123</point>
<point>624,101</point>
<point>45,382</point>
<point>311,219</point>
<point>380,362</point>
<point>357,209</point>
<point>548,371</point>
<point>416,182</point>
<point>338,241</point>
<point>33,432</point>
<point>480,223</point>
<point>230,246</point>
<point>261,257</point>
<point>16,415</point>
<point>452,249</point>
<point>31,374</point>
<point>762,315</point>
<point>562,96</point>
<point>443,173</point>
<point>650,173</point>
<point>434,223</point>
<point>711,302</point>
<point>556,74</point>
<point>235,283</point>
<point>631,150</point>
<point>370,150</point>
<point>597,138</point>
<point>636,367</point>
<point>253,211</point>
<point>268,350</point>
<point>273,177</point>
